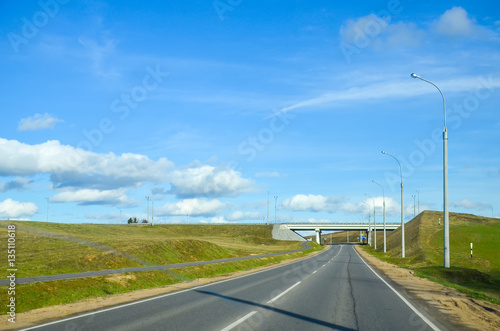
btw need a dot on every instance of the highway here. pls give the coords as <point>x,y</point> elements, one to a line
<point>334,290</point>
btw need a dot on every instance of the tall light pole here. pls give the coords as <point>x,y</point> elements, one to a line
<point>369,225</point>
<point>383,196</point>
<point>418,197</point>
<point>47,209</point>
<point>275,203</point>
<point>446,222</point>
<point>153,210</point>
<point>267,207</point>
<point>414,205</point>
<point>374,222</point>
<point>402,206</point>
<point>147,198</point>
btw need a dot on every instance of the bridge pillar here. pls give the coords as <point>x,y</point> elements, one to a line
<point>318,236</point>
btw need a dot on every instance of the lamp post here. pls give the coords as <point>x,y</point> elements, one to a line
<point>374,222</point>
<point>275,203</point>
<point>418,197</point>
<point>383,196</point>
<point>402,206</point>
<point>413,196</point>
<point>446,219</point>
<point>267,207</point>
<point>147,198</point>
<point>369,225</point>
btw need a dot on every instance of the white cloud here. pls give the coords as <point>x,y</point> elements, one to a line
<point>77,167</point>
<point>38,122</point>
<point>455,22</point>
<point>372,31</point>
<point>301,202</point>
<point>19,183</point>
<point>10,208</point>
<point>239,215</point>
<point>192,207</point>
<point>471,205</point>
<point>94,197</point>
<point>215,220</point>
<point>391,90</point>
<point>320,203</point>
<point>209,181</point>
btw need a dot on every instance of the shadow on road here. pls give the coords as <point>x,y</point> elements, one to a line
<point>280,311</point>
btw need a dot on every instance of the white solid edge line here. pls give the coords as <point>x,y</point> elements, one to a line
<point>162,296</point>
<point>283,293</point>
<point>425,319</point>
<point>232,325</point>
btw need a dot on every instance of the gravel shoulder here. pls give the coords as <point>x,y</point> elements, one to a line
<point>451,308</point>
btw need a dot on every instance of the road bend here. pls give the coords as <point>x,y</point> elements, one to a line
<point>334,290</point>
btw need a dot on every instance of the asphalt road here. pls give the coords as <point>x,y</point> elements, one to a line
<point>332,290</point>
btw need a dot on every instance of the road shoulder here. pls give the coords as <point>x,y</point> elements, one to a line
<point>451,308</point>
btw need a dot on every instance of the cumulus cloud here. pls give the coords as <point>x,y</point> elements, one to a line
<point>320,203</point>
<point>209,181</point>
<point>75,167</point>
<point>10,208</point>
<point>19,183</point>
<point>240,215</point>
<point>215,220</point>
<point>94,197</point>
<point>373,31</point>
<point>192,207</point>
<point>38,122</point>
<point>471,205</point>
<point>455,22</point>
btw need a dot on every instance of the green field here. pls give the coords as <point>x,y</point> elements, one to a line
<point>49,248</point>
<point>478,276</point>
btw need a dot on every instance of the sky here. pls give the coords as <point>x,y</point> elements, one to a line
<point>217,109</point>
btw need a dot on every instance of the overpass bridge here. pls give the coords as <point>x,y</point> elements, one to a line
<point>319,227</point>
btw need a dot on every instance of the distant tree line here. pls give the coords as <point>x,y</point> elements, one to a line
<point>134,221</point>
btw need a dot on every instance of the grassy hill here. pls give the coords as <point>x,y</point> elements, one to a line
<point>479,276</point>
<point>51,248</point>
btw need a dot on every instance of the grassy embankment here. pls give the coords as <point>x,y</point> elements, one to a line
<point>478,277</point>
<point>49,249</point>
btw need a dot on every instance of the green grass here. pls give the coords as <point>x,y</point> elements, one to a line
<point>478,277</point>
<point>49,248</point>
<point>44,294</point>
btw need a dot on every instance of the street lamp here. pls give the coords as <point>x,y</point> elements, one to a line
<point>418,197</point>
<point>369,225</point>
<point>402,206</point>
<point>275,202</point>
<point>383,195</point>
<point>413,196</point>
<point>446,221</point>
<point>147,198</point>
<point>374,221</point>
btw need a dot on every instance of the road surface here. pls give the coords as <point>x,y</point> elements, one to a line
<point>332,290</point>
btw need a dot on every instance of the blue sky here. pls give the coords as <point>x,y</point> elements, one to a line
<point>209,105</point>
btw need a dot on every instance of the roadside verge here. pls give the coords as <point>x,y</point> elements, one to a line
<point>453,309</point>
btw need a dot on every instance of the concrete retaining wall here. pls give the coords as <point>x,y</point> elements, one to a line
<point>281,232</point>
